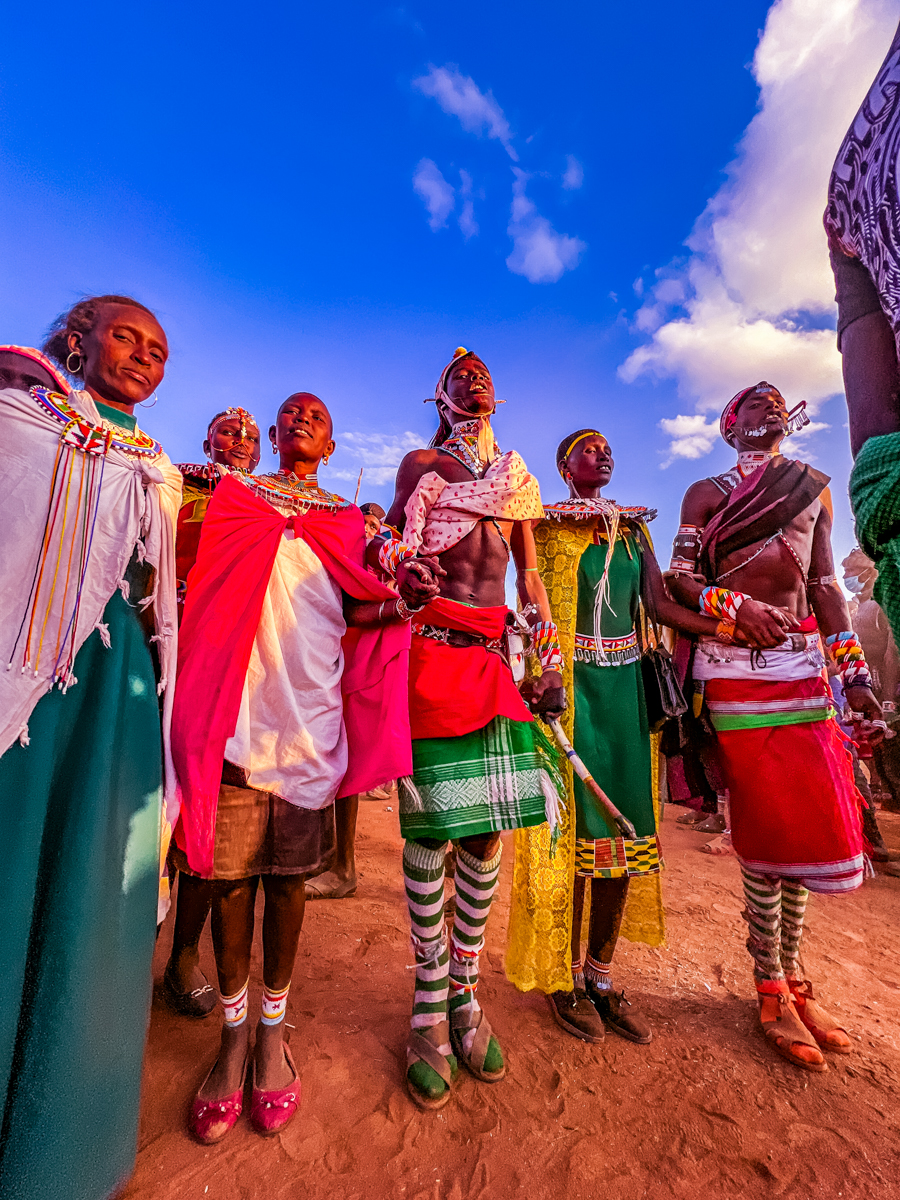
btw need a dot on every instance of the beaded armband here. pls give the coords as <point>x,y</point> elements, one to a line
<point>545,645</point>
<point>392,554</point>
<point>685,548</point>
<point>851,661</point>
<point>722,603</point>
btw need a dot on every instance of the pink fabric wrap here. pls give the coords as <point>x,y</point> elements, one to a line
<point>225,594</point>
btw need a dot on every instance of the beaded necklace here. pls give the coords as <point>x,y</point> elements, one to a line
<point>82,434</point>
<point>462,444</point>
<point>296,493</point>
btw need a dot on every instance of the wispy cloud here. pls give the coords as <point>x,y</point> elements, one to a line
<point>460,96</point>
<point>539,253</point>
<point>573,176</point>
<point>379,453</point>
<point>437,194</point>
<point>750,299</point>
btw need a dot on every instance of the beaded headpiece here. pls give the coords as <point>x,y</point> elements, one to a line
<point>561,465</point>
<point>796,418</point>
<point>231,414</point>
<point>60,382</point>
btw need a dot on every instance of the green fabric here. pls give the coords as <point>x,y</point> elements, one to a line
<point>116,416</point>
<point>79,857</point>
<point>480,782</point>
<point>875,499</point>
<point>722,722</point>
<point>611,732</point>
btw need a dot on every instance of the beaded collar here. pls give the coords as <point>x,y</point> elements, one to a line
<point>584,509</point>
<point>462,444</point>
<point>298,494</point>
<point>749,460</point>
<point>136,443</point>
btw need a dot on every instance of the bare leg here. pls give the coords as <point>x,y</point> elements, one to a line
<point>340,880</point>
<point>232,933</point>
<point>282,923</point>
<point>192,907</point>
<point>871,380</point>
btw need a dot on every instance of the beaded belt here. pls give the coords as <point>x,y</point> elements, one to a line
<point>607,652</point>
<point>459,638</point>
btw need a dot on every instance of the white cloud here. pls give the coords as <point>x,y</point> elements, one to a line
<point>435,191</point>
<point>378,453</point>
<point>466,220</point>
<point>539,252</point>
<point>460,96</point>
<point>740,308</point>
<point>692,436</point>
<point>574,174</point>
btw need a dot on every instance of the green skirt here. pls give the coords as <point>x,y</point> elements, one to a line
<point>480,782</point>
<point>612,737</point>
<point>79,810</point>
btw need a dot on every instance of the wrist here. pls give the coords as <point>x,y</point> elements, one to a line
<point>545,646</point>
<point>392,553</point>
<point>725,632</point>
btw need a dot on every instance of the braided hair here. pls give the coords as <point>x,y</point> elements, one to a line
<point>81,318</point>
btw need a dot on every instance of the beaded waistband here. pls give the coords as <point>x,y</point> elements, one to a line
<point>607,652</point>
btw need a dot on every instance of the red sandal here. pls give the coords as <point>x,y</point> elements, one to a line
<point>821,1024</point>
<point>783,1028</point>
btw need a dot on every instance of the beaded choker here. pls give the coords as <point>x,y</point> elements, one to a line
<point>462,444</point>
<point>749,460</point>
<point>583,509</point>
<point>81,433</point>
<point>296,493</point>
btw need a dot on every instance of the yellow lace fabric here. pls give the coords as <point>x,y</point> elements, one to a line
<point>540,924</point>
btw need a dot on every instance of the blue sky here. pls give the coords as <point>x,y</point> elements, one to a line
<point>333,198</point>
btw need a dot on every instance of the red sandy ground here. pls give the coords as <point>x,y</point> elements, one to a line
<point>706,1110</point>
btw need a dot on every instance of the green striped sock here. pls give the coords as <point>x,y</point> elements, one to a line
<point>423,876</point>
<point>476,882</point>
<point>763,916</point>
<point>793,909</point>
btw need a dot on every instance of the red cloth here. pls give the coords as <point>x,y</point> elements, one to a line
<point>456,690</point>
<point>187,536</point>
<point>226,588</point>
<point>795,810</point>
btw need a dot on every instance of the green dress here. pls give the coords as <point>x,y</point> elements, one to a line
<point>612,735</point>
<point>79,809</point>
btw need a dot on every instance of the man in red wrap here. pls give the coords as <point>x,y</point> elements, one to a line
<point>754,549</point>
<point>279,709</point>
<point>480,763</point>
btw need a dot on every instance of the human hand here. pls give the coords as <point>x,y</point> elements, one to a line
<point>869,727</point>
<point>417,579</point>
<point>546,694</point>
<point>763,626</point>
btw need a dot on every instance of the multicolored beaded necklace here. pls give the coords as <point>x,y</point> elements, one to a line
<point>296,493</point>
<point>462,444</point>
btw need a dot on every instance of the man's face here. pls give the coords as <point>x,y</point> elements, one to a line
<point>761,421</point>
<point>591,462</point>
<point>372,524</point>
<point>124,355</point>
<point>21,373</point>
<point>233,448</point>
<point>303,428</point>
<point>471,388</point>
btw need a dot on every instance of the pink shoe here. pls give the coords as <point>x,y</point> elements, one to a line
<point>210,1120</point>
<point>271,1111</point>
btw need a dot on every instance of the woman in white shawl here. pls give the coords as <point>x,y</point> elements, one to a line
<point>88,504</point>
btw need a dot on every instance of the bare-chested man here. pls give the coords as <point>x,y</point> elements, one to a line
<point>480,764</point>
<point>754,548</point>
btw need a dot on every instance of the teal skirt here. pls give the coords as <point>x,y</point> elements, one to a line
<point>79,856</point>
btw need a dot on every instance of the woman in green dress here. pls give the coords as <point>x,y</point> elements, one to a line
<point>598,565</point>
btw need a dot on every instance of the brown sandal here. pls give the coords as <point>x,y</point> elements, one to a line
<point>420,1049</point>
<point>821,1024</point>
<point>460,1025</point>
<point>785,1031</point>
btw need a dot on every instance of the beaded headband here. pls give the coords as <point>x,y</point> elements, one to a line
<point>230,414</point>
<point>560,466</point>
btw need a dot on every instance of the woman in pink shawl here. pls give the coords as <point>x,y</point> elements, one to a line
<point>279,710</point>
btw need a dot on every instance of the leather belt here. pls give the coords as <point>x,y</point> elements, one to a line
<point>459,639</point>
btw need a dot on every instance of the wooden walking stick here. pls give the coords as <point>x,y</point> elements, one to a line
<point>621,823</point>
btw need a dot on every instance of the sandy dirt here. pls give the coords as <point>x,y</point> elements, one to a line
<point>706,1110</point>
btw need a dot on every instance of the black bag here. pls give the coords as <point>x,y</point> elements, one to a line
<point>662,691</point>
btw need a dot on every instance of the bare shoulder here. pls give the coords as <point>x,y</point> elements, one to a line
<point>701,501</point>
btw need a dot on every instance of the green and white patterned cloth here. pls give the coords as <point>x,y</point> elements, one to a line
<point>875,499</point>
<point>498,777</point>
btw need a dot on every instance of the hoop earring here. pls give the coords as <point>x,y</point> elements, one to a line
<point>74,370</point>
<point>144,404</point>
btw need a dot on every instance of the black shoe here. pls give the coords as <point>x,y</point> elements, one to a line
<point>198,1003</point>
<point>610,1005</point>
<point>574,1012</point>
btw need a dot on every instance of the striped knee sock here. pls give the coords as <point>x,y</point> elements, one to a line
<point>274,1005</point>
<point>793,910</point>
<point>476,882</point>
<point>763,915</point>
<point>235,1007</point>
<point>599,974</point>
<point>423,875</point>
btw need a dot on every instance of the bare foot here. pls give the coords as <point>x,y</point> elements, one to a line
<point>720,846</point>
<point>273,1071</point>
<point>330,886</point>
<point>714,823</point>
<point>228,1071</point>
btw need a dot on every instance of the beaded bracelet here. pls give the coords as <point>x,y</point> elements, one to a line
<point>720,602</point>
<point>847,652</point>
<point>725,632</point>
<point>392,554</point>
<point>545,644</point>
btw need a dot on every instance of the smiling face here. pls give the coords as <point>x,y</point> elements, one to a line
<point>302,433</point>
<point>227,445</point>
<point>471,388</point>
<point>124,356</point>
<point>761,420</point>
<point>589,465</point>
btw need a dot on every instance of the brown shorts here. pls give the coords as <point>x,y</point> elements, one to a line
<point>261,834</point>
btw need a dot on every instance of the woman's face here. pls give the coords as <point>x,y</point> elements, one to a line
<point>124,355</point>
<point>471,388</point>
<point>590,463</point>
<point>229,446</point>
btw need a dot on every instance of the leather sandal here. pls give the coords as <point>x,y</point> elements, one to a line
<point>198,1004</point>
<point>574,1013</point>
<point>419,1048</point>
<point>210,1120</point>
<point>462,1021</point>
<point>783,1028</point>
<point>821,1024</point>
